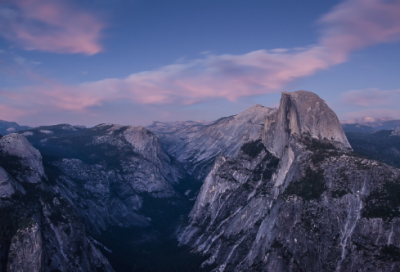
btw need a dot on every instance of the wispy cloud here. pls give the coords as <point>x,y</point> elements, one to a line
<point>371,97</point>
<point>53,26</point>
<point>355,24</point>
<point>392,113</point>
<point>352,25</point>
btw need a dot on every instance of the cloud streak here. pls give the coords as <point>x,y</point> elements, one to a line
<point>371,97</point>
<point>352,25</point>
<point>52,26</point>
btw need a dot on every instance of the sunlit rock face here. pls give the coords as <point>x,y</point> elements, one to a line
<point>197,144</point>
<point>302,113</point>
<point>298,199</point>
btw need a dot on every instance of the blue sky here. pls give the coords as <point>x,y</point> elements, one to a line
<point>133,62</point>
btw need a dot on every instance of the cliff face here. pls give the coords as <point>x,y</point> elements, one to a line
<point>40,229</point>
<point>196,145</point>
<point>283,192</point>
<point>106,171</point>
<point>298,200</point>
<point>302,113</point>
<point>26,250</point>
<point>16,146</point>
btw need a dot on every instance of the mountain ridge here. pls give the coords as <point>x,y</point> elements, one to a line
<point>272,210</point>
<point>281,190</point>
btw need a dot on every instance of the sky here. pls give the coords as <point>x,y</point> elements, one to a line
<point>132,62</point>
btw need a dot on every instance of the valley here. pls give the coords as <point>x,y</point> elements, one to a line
<point>283,189</point>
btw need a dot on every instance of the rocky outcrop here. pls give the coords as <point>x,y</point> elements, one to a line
<point>8,186</point>
<point>105,172</point>
<point>17,147</point>
<point>196,145</point>
<point>39,229</point>
<point>101,196</point>
<point>302,113</point>
<point>26,250</point>
<point>283,192</point>
<point>298,200</point>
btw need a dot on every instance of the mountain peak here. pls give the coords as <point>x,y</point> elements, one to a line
<point>299,113</point>
<point>256,114</point>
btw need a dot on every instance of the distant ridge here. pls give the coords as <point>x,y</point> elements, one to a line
<point>369,124</point>
<point>10,127</point>
<point>367,120</point>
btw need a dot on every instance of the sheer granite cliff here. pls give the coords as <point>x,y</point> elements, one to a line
<point>40,230</point>
<point>107,170</point>
<point>298,199</point>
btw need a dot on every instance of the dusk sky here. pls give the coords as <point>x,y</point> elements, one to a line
<point>135,61</point>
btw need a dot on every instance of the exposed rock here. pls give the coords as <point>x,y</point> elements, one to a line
<point>17,145</point>
<point>26,250</point>
<point>40,230</point>
<point>197,145</point>
<point>301,113</point>
<point>306,203</point>
<point>103,197</point>
<point>105,171</point>
<point>8,185</point>
<point>284,192</point>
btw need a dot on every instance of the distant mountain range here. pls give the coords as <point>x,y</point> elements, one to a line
<point>283,189</point>
<point>369,124</point>
<point>10,127</point>
<point>367,120</point>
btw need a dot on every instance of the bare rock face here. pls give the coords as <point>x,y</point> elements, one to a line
<point>17,145</point>
<point>8,186</point>
<point>145,164</point>
<point>40,229</point>
<point>106,171</point>
<point>26,250</point>
<point>301,113</point>
<point>298,200</point>
<point>197,145</point>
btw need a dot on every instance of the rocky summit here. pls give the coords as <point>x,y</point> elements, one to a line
<point>298,199</point>
<point>267,189</point>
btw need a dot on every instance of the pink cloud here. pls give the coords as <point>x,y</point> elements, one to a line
<point>371,97</point>
<point>349,26</point>
<point>52,26</point>
<point>358,23</point>
<point>392,113</point>
<point>226,76</point>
